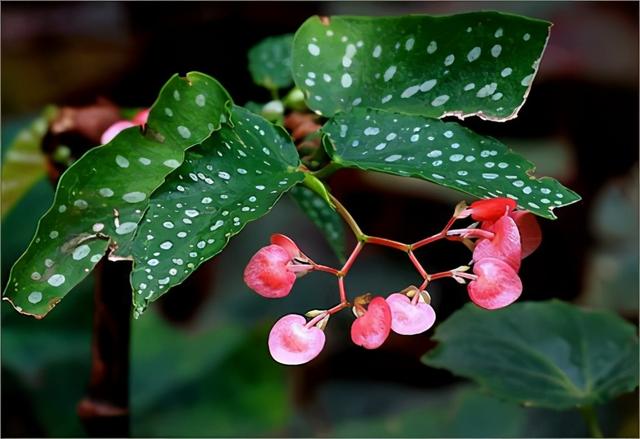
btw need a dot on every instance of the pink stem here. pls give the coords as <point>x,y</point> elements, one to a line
<point>472,233</point>
<point>442,234</point>
<point>418,265</point>
<point>387,243</point>
<point>352,258</point>
<point>311,323</point>
<point>343,294</point>
<point>338,307</point>
<point>326,269</point>
<point>444,274</point>
<point>414,299</point>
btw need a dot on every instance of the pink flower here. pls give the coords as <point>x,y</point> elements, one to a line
<point>504,245</point>
<point>273,270</point>
<point>497,285</point>
<point>408,318</point>
<point>530,233</point>
<point>114,130</point>
<point>291,342</point>
<point>372,328</point>
<point>491,209</point>
<point>139,119</point>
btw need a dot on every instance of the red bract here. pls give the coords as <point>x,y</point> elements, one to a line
<point>530,233</point>
<point>505,244</point>
<point>408,318</point>
<point>497,285</point>
<point>371,329</point>
<point>291,342</point>
<point>491,209</point>
<point>267,272</point>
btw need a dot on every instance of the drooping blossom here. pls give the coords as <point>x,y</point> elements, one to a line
<point>292,343</point>
<point>273,270</point>
<point>497,285</point>
<point>409,318</point>
<point>504,245</point>
<point>372,328</point>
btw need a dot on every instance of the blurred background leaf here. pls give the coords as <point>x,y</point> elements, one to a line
<point>216,382</point>
<point>270,62</point>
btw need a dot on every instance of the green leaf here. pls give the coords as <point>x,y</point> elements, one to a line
<point>196,392</point>
<point>444,153</point>
<point>323,216</point>
<point>459,412</point>
<point>102,196</point>
<point>234,177</point>
<point>544,354</point>
<point>24,164</point>
<point>270,62</point>
<point>480,63</point>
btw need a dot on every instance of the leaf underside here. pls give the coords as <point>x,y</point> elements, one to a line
<point>479,63</point>
<point>544,354</point>
<point>326,219</point>
<point>234,177</point>
<point>101,197</point>
<point>444,153</point>
<point>270,62</point>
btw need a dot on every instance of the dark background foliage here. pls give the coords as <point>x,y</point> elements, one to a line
<point>200,366</point>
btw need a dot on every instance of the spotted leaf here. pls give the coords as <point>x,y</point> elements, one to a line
<point>102,196</point>
<point>24,164</point>
<point>479,63</point>
<point>270,62</point>
<point>444,153</point>
<point>323,216</point>
<point>234,177</point>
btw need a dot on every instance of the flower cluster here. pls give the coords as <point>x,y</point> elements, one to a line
<point>499,239</point>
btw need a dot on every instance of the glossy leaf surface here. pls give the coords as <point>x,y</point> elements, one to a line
<point>102,196</point>
<point>444,153</point>
<point>479,63</point>
<point>544,354</point>
<point>234,177</point>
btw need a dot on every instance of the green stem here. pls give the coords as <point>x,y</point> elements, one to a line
<point>591,418</point>
<point>346,216</point>
<point>326,171</point>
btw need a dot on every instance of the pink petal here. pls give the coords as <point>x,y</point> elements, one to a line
<point>505,244</point>
<point>530,233</point>
<point>407,318</point>
<point>267,273</point>
<point>290,342</point>
<point>286,243</point>
<point>372,329</point>
<point>491,209</point>
<point>114,130</point>
<point>141,117</point>
<point>497,286</point>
